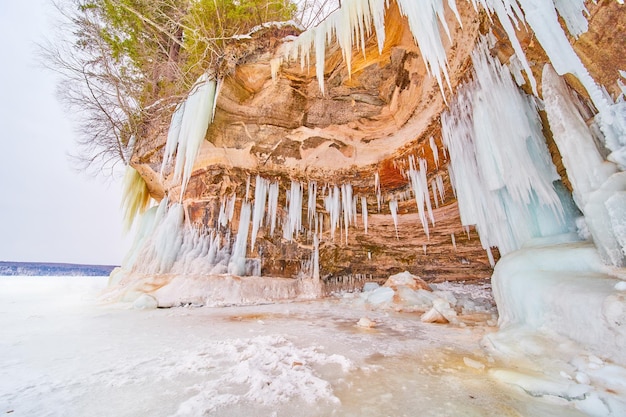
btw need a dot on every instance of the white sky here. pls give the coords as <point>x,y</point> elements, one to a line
<point>48,211</point>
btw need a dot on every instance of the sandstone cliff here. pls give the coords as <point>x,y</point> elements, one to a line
<point>273,121</point>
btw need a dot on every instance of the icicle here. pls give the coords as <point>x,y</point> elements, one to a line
<point>227,210</point>
<point>272,206</point>
<point>312,203</point>
<point>237,264</point>
<point>332,204</point>
<point>433,147</point>
<point>222,219</point>
<point>467,231</point>
<point>248,188</point>
<point>393,207</point>
<point>260,195</point>
<point>316,259</point>
<point>492,261</point>
<point>275,64</point>
<point>424,248</point>
<point>377,188</point>
<point>453,241</point>
<point>188,127</point>
<point>433,186</point>
<point>419,185</point>
<point>364,212</point>
<point>439,180</point>
<point>346,199</point>
<point>293,222</point>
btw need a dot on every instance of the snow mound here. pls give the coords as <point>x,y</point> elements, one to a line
<point>265,370</point>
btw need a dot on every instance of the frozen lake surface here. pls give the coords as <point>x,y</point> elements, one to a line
<point>65,354</point>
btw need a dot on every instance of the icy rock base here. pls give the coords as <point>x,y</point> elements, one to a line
<point>566,289</point>
<point>439,303</point>
<point>171,290</point>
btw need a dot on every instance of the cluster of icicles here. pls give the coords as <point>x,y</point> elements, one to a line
<point>501,170</point>
<point>166,243</point>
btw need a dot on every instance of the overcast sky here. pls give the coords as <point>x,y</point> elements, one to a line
<point>48,211</point>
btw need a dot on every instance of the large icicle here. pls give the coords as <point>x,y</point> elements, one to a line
<point>502,171</point>
<point>312,203</point>
<point>419,184</point>
<point>393,208</point>
<point>364,212</point>
<point>188,128</point>
<point>332,204</point>
<point>293,223</point>
<point>346,202</point>
<point>237,264</point>
<point>272,206</point>
<point>260,195</point>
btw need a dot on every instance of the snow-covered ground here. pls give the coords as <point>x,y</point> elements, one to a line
<point>65,354</point>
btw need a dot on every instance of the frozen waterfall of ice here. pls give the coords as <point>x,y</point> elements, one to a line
<point>188,128</point>
<point>502,171</point>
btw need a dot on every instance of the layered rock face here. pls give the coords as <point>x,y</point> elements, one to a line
<point>356,143</point>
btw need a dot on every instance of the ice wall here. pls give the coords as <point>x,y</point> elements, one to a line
<point>598,185</point>
<point>500,165</point>
<point>188,128</point>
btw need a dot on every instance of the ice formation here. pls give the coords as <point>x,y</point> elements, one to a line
<point>293,221</point>
<point>237,264</point>
<point>272,206</point>
<point>419,184</point>
<point>260,196</point>
<point>136,197</point>
<point>364,212</point>
<point>188,128</point>
<point>393,208</point>
<point>500,166</point>
<point>597,184</point>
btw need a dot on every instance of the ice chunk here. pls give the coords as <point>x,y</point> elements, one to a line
<point>380,296</point>
<point>370,286</point>
<point>145,302</point>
